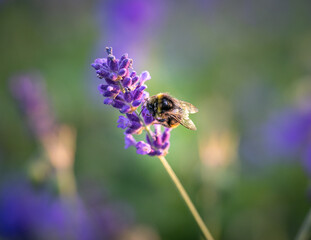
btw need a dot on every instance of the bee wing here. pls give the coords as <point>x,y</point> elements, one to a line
<point>184,120</point>
<point>189,107</point>
<point>187,122</point>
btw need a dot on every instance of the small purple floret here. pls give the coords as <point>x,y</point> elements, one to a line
<point>123,122</point>
<point>129,141</point>
<point>143,148</point>
<point>145,76</point>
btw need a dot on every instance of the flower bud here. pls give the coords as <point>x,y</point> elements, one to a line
<point>133,117</point>
<point>133,74</point>
<point>135,80</point>
<point>128,97</point>
<point>112,63</point>
<point>118,104</point>
<point>127,82</point>
<point>139,92</point>
<point>123,57</point>
<point>122,72</point>
<point>125,108</point>
<point>125,63</point>
<point>145,76</point>
<point>108,101</point>
<point>143,148</point>
<point>136,103</point>
<point>113,76</point>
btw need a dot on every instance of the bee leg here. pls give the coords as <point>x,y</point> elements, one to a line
<point>161,120</point>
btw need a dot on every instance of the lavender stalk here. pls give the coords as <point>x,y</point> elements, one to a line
<point>125,90</point>
<point>58,141</point>
<point>304,231</point>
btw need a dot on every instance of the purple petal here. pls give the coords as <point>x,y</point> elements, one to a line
<point>123,57</point>
<point>130,131</point>
<point>148,119</point>
<point>113,76</point>
<point>110,82</point>
<point>143,148</point>
<point>112,63</point>
<point>135,80</point>
<point>125,109</point>
<point>129,141</point>
<point>108,94</point>
<point>108,101</point>
<point>133,74</point>
<point>110,88</point>
<point>112,93</point>
<point>133,117</point>
<point>102,88</point>
<point>145,76</point>
<point>145,95</point>
<point>139,92</point>
<point>157,129</point>
<point>123,122</point>
<point>166,135</point>
<point>152,153</point>
<point>165,146</point>
<point>136,103</point>
<point>159,152</point>
<point>98,63</point>
<point>118,104</point>
<point>135,125</point>
<point>127,82</point>
<point>125,63</point>
<point>103,73</point>
<point>120,97</point>
<point>128,96</point>
<point>158,142</point>
<point>122,72</point>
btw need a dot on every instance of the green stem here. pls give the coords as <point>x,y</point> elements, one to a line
<point>180,188</point>
<point>66,182</point>
<point>146,127</point>
<point>304,231</point>
<point>186,198</point>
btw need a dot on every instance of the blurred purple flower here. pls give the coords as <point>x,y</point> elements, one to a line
<point>288,135</point>
<point>29,213</point>
<point>125,90</point>
<point>29,91</point>
<point>138,20</point>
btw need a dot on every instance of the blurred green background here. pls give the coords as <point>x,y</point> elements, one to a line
<point>242,63</point>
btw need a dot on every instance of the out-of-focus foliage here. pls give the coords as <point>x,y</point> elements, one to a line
<point>245,65</point>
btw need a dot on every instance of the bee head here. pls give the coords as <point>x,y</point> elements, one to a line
<point>151,105</point>
<point>147,104</point>
<point>151,109</point>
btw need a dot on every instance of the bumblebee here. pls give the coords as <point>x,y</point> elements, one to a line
<point>170,112</point>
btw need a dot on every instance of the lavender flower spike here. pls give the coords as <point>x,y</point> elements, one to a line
<point>30,93</point>
<point>125,90</point>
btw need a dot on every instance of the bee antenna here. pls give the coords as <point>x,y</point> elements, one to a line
<point>142,108</point>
